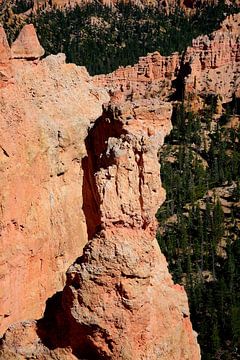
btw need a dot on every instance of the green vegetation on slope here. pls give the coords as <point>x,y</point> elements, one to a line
<point>103,38</point>
<point>200,225</point>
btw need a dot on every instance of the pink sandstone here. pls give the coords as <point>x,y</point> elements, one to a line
<point>120,295</point>
<point>215,62</point>
<point>27,46</point>
<point>71,173</point>
<point>5,55</point>
<point>44,116</point>
<point>210,65</point>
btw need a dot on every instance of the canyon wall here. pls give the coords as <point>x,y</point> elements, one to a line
<point>209,66</point>
<point>74,172</point>
<point>214,62</point>
<point>120,295</point>
<point>46,109</point>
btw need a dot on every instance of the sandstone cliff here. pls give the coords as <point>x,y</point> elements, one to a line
<point>46,109</point>
<point>71,173</point>
<point>213,62</point>
<point>210,65</point>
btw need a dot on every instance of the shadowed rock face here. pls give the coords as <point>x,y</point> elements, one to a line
<point>72,172</point>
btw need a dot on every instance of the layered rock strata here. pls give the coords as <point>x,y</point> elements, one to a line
<point>214,62</point>
<point>152,76</point>
<point>210,65</point>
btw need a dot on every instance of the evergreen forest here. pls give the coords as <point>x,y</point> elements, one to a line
<point>103,38</point>
<point>199,224</point>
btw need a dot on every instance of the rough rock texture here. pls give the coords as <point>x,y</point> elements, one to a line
<point>214,62</point>
<point>210,65</point>
<point>151,76</point>
<point>120,300</point>
<point>72,171</point>
<point>22,342</point>
<point>27,46</point>
<point>117,309</point>
<point>5,56</point>
<point>44,116</point>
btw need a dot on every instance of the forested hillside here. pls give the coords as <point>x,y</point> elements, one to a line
<point>200,222</point>
<point>103,38</point>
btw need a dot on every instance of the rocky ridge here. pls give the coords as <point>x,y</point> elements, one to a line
<point>210,65</point>
<point>97,181</point>
<point>213,62</point>
<point>168,6</point>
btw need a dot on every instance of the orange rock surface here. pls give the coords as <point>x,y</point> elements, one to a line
<point>27,46</point>
<point>214,61</point>
<point>209,66</point>
<point>44,116</point>
<point>72,172</point>
<point>151,76</point>
<point>119,294</point>
<point>5,55</point>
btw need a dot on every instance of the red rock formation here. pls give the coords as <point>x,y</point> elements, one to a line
<point>5,56</point>
<point>56,190</point>
<point>210,65</point>
<point>151,76</point>
<point>44,116</point>
<point>27,46</point>
<point>119,296</point>
<point>214,62</point>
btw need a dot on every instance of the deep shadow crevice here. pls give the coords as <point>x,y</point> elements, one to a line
<point>105,127</point>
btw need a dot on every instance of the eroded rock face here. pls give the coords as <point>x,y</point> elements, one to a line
<point>214,62</point>
<point>209,66</point>
<point>121,302</point>
<point>120,298</point>
<point>5,56</point>
<point>44,116</point>
<point>27,46</point>
<point>152,76</point>
<point>71,172</point>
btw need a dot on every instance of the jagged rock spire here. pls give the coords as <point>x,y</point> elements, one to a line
<point>5,52</point>
<point>27,45</point>
<point>5,56</point>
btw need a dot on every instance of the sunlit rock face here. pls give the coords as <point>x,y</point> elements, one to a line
<point>214,62</point>
<point>209,66</point>
<point>80,179</point>
<point>119,300</point>
<point>46,108</point>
